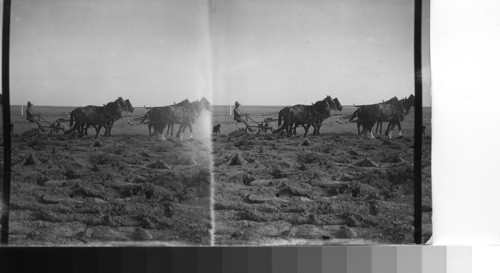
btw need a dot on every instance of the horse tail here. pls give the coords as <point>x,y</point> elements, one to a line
<point>146,116</point>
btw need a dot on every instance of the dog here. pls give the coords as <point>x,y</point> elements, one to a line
<point>216,129</point>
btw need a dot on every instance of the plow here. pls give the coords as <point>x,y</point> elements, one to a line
<point>49,127</point>
<point>262,126</point>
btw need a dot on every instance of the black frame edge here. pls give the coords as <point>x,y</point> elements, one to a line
<point>4,221</point>
<point>417,177</point>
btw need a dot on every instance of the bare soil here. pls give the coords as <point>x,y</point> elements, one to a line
<point>336,188</point>
<point>122,189</point>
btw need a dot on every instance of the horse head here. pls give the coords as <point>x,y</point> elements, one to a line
<point>113,107</point>
<point>407,104</point>
<point>337,102</point>
<point>129,106</point>
<point>123,106</point>
<point>411,100</point>
<point>205,103</point>
<point>323,106</point>
<point>331,103</point>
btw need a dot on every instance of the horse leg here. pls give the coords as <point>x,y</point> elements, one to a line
<point>307,129</point>
<point>109,129</point>
<point>106,129</point>
<point>399,128</point>
<point>368,127</point>
<point>85,130</point>
<point>160,135</point>
<point>182,129</point>
<point>97,129</point>
<point>179,132</point>
<point>390,127</point>
<point>315,128</point>
<point>316,125</point>
<point>171,126</point>
<point>190,130</point>
<point>168,128</point>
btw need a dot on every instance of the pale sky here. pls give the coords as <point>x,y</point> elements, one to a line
<point>259,52</point>
<point>295,51</point>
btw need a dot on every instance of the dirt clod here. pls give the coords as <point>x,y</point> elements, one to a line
<point>305,142</point>
<point>30,159</point>
<point>97,143</point>
<point>346,232</point>
<point>236,159</point>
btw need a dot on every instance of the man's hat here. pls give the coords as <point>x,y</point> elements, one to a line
<point>237,103</point>
<point>29,103</point>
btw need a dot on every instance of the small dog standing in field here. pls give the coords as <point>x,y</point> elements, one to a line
<point>216,129</point>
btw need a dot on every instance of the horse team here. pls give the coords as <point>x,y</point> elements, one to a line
<point>98,116</point>
<point>392,111</point>
<point>306,115</point>
<point>185,114</point>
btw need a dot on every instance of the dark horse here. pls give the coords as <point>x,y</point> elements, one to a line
<point>187,115</point>
<point>334,105</point>
<point>97,116</point>
<point>127,107</point>
<point>407,104</point>
<point>159,116</point>
<point>108,124</point>
<point>147,116</point>
<point>404,105</point>
<point>369,115</point>
<point>305,115</point>
<point>183,113</point>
